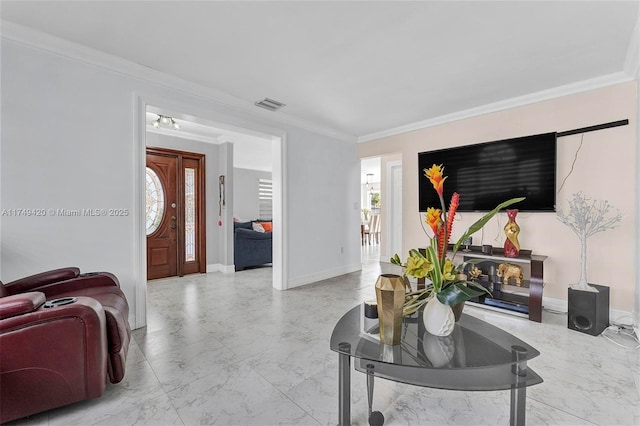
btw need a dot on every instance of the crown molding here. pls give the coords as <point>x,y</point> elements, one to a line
<point>544,95</point>
<point>74,51</point>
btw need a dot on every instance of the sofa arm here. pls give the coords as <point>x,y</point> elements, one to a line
<point>33,281</point>
<point>19,304</point>
<point>249,234</point>
<point>82,281</point>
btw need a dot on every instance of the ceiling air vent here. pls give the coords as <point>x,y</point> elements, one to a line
<point>270,104</point>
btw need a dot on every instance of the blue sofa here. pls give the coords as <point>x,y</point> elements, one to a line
<point>250,248</point>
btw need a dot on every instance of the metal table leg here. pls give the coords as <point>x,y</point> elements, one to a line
<point>376,418</point>
<point>519,389</point>
<point>344,384</point>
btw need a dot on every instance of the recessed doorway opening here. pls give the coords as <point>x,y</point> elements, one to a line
<point>222,222</point>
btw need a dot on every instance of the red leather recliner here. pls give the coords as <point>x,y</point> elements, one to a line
<point>103,288</point>
<point>49,357</point>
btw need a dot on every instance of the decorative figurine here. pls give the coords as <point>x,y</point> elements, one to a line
<point>511,230</point>
<point>475,272</point>
<point>509,270</point>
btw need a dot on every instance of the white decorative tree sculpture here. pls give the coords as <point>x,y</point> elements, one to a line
<point>587,217</point>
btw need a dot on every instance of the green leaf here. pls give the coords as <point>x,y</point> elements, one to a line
<point>484,219</point>
<point>477,286</point>
<point>416,253</point>
<point>460,267</point>
<point>458,293</point>
<point>436,273</point>
<point>396,260</point>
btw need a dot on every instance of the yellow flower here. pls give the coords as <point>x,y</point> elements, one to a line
<point>447,271</point>
<point>435,176</point>
<point>418,267</point>
<point>434,219</point>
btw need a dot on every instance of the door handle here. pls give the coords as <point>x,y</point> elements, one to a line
<point>173,218</point>
<point>173,226</point>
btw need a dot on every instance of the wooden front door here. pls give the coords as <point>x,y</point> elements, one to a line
<point>175,215</point>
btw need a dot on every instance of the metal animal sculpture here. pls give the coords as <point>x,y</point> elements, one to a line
<point>509,270</point>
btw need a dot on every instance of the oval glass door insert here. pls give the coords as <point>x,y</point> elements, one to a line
<point>154,201</point>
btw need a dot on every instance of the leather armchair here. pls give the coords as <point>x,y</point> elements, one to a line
<point>101,286</point>
<point>50,356</point>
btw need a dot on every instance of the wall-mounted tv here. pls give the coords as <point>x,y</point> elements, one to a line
<point>489,173</point>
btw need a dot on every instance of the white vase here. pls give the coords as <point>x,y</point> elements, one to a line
<point>438,318</point>
<point>438,350</point>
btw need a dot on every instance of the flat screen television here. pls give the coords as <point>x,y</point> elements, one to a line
<point>489,173</point>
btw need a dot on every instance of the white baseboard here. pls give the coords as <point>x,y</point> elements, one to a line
<point>323,275</point>
<point>560,305</point>
<point>218,267</point>
<point>227,269</point>
<point>552,304</point>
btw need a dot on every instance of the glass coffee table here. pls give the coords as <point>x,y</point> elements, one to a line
<point>477,356</point>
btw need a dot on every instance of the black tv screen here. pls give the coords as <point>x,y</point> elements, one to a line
<point>489,173</point>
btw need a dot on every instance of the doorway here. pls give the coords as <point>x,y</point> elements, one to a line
<point>278,139</point>
<point>175,213</point>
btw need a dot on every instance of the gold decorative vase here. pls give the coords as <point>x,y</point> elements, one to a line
<point>390,290</point>
<point>511,230</point>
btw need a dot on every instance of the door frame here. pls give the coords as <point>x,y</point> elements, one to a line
<point>392,214</point>
<point>201,218</point>
<point>248,125</point>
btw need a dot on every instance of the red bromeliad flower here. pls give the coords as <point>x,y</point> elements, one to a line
<point>434,219</point>
<point>434,216</point>
<point>453,206</point>
<point>435,176</point>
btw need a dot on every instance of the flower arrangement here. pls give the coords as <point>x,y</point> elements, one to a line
<point>448,283</point>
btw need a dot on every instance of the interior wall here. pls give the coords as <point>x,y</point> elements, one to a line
<point>211,152</point>
<point>225,224</point>
<point>324,208</point>
<point>69,142</point>
<point>384,213</point>
<point>636,319</point>
<point>602,168</point>
<point>246,202</point>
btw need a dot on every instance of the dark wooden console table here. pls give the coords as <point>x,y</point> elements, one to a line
<point>524,300</point>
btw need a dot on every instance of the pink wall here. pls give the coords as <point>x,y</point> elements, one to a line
<point>604,169</point>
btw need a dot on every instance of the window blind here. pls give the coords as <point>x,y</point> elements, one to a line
<point>265,195</point>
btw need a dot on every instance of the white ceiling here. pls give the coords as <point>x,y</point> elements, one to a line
<point>358,68</point>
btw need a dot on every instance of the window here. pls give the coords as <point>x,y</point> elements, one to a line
<point>265,198</point>
<point>154,201</point>
<point>189,214</point>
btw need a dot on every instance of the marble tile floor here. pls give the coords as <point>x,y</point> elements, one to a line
<point>228,349</point>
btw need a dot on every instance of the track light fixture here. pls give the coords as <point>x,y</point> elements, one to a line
<point>166,122</point>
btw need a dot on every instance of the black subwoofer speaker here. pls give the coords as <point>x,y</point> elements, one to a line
<point>589,311</point>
